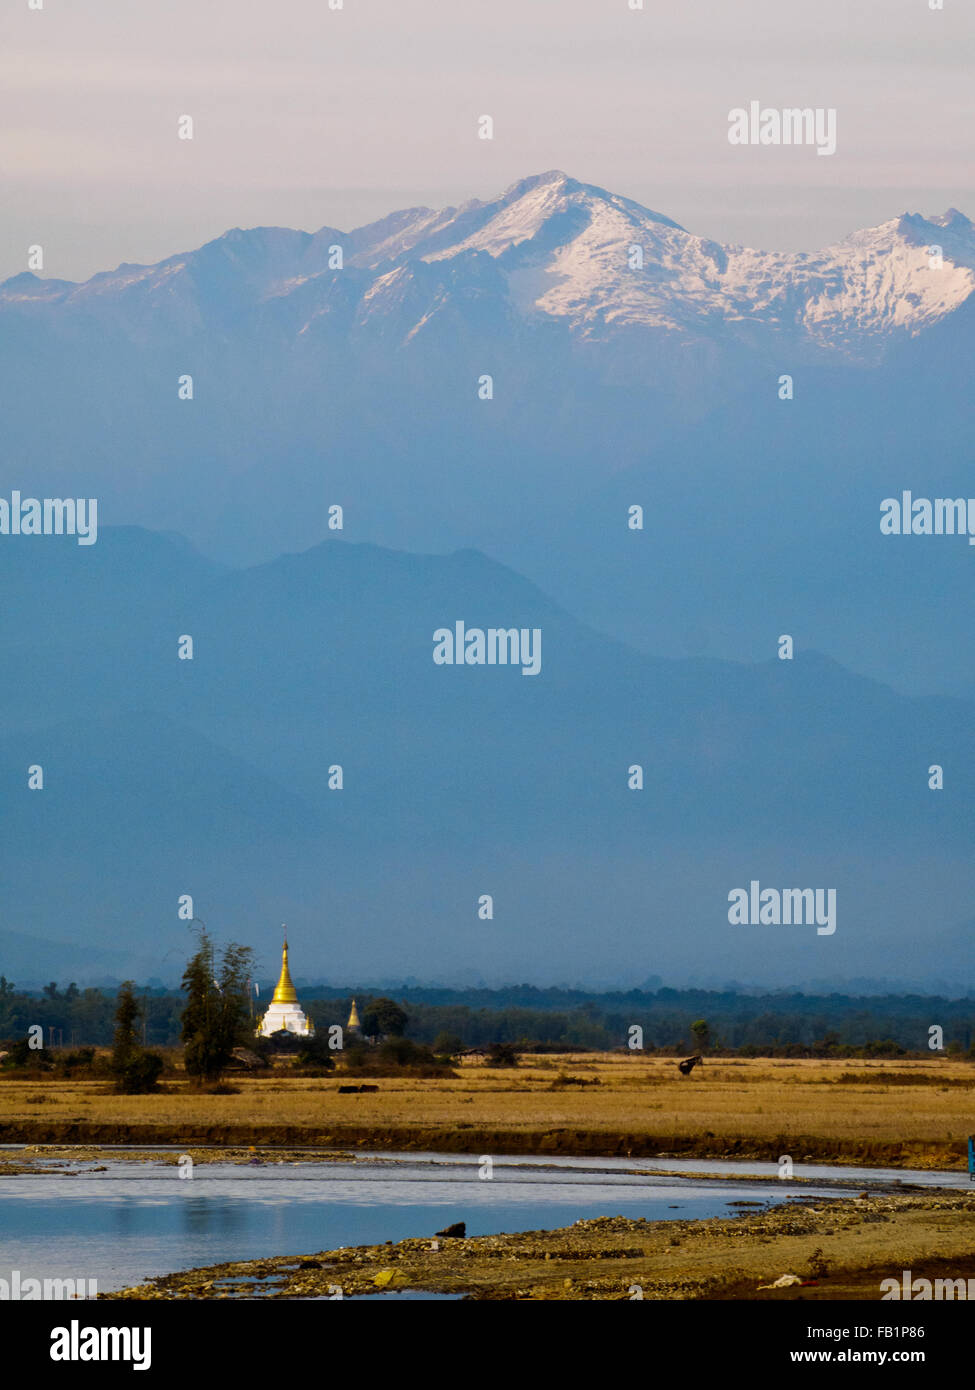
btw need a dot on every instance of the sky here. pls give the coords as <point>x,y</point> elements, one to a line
<point>307,116</point>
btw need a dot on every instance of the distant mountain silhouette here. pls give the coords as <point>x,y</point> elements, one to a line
<point>210,777</point>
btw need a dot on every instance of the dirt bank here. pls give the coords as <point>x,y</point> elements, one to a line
<point>581,1143</point>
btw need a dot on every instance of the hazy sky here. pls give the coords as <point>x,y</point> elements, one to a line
<point>307,116</point>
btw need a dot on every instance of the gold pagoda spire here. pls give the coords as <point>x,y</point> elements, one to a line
<point>285,992</point>
<point>353,1018</point>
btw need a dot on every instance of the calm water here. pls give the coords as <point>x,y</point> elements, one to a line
<point>136,1220</point>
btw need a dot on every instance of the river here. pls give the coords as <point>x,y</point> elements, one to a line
<point>134,1220</point>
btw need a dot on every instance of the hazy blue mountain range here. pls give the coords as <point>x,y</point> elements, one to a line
<point>210,777</point>
<point>614,384</point>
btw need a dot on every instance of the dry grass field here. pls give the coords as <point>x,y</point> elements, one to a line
<point>915,1113</point>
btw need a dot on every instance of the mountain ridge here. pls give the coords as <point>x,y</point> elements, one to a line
<point>562,249</point>
<point>498,376</point>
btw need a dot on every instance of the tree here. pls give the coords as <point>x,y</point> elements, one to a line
<point>124,1042</point>
<point>51,990</point>
<point>215,1019</point>
<point>827,1045</point>
<point>136,1071</point>
<point>447,1045</point>
<point>702,1035</point>
<point>384,1018</point>
<point>7,988</point>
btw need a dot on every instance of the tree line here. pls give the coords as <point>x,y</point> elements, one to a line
<point>213,1012</point>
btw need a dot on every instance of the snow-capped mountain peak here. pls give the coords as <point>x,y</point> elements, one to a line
<point>598,262</point>
<point>548,248</point>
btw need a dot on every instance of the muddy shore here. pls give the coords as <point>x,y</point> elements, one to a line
<point>835,1248</point>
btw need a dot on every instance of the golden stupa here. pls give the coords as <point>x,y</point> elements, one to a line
<point>285,993</point>
<point>284,1014</point>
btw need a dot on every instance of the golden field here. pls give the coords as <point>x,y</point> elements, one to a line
<point>910,1112</point>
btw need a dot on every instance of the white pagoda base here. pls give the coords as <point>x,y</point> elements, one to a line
<point>285,1016</point>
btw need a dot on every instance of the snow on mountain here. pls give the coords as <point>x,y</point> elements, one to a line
<point>551,248</point>
<point>565,247</point>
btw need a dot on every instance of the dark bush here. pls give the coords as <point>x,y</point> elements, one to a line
<point>393,1056</point>
<point>20,1054</point>
<point>140,1074</point>
<point>315,1052</point>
